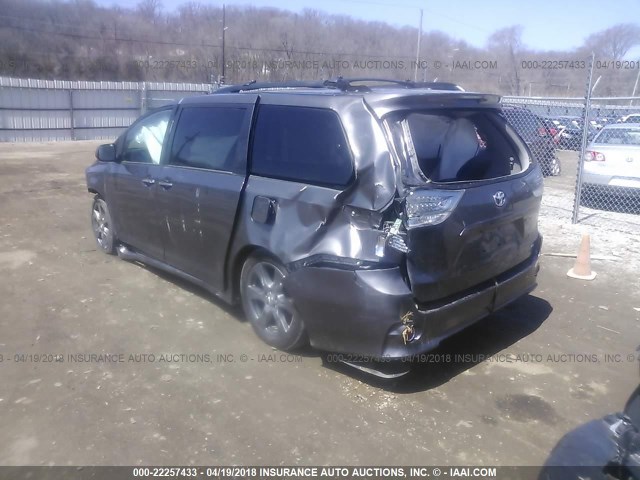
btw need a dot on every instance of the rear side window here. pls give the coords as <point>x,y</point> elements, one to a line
<point>209,137</point>
<point>301,144</point>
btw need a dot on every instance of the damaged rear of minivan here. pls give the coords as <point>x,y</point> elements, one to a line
<point>458,241</point>
<point>371,222</point>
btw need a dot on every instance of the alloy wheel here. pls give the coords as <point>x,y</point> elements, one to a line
<point>269,306</point>
<point>101,224</point>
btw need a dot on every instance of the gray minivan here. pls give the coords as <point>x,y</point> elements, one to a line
<point>368,218</point>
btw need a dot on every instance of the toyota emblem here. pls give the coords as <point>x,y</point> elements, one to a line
<point>500,198</point>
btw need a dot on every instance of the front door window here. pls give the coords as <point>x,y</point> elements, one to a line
<point>145,139</point>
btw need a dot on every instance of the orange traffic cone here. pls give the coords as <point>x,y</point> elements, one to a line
<point>582,268</point>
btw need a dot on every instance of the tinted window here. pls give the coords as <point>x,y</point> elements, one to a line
<point>208,137</point>
<point>301,144</point>
<point>143,143</point>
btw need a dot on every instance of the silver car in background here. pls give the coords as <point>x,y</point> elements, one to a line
<point>612,162</point>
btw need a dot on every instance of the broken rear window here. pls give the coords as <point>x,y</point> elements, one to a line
<point>455,145</point>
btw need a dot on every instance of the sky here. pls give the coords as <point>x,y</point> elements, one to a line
<point>547,25</point>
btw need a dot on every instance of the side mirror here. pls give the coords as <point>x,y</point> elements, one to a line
<point>106,152</point>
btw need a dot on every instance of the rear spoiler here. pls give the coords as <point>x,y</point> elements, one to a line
<point>385,104</point>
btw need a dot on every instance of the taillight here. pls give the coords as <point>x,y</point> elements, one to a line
<point>431,207</point>
<point>590,156</point>
<point>553,131</point>
<point>542,132</point>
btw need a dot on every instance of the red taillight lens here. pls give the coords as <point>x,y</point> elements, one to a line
<point>542,131</point>
<point>553,131</point>
<point>593,156</point>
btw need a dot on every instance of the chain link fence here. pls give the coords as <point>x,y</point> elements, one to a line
<point>610,177</point>
<point>549,126</point>
<point>589,151</point>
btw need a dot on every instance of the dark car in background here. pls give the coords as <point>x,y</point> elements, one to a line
<point>537,135</point>
<point>553,129</point>
<point>571,132</point>
<point>367,220</point>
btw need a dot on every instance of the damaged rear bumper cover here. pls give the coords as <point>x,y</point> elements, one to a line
<point>360,311</point>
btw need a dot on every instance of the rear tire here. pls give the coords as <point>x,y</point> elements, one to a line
<point>267,305</point>
<point>103,226</point>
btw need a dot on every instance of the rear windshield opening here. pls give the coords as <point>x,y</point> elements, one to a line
<point>455,146</point>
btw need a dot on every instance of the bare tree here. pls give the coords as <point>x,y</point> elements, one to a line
<point>615,42</point>
<point>150,9</point>
<point>507,45</point>
<point>78,39</point>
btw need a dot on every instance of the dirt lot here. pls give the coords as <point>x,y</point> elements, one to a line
<point>60,296</point>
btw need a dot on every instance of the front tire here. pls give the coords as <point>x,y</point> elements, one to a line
<point>103,226</point>
<point>267,305</point>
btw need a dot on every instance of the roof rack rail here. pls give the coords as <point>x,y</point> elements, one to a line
<point>439,86</point>
<point>254,85</point>
<point>349,84</point>
<point>340,83</point>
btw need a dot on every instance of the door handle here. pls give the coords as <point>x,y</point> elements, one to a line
<point>165,184</point>
<point>148,182</point>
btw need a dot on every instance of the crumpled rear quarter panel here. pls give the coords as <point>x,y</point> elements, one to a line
<point>310,220</point>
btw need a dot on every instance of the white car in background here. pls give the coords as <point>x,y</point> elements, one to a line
<point>631,118</point>
<point>612,160</point>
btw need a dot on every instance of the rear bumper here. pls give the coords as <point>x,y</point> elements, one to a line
<point>609,181</point>
<point>358,312</point>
